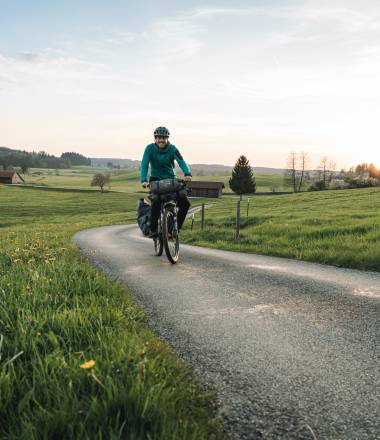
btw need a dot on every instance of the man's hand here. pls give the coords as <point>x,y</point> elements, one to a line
<point>187,178</point>
<point>144,185</point>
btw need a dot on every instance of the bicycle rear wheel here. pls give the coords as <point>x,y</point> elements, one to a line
<point>170,235</point>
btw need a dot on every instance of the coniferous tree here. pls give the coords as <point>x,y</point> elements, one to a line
<point>76,158</point>
<point>242,180</point>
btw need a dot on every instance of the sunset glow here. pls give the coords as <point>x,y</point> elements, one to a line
<point>258,78</point>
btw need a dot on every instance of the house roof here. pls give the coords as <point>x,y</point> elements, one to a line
<point>10,174</point>
<point>205,185</point>
<point>7,173</point>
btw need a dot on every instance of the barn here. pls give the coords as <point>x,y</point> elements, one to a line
<point>11,177</point>
<point>205,189</point>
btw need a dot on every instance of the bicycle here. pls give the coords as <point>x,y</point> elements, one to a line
<point>168,238</point>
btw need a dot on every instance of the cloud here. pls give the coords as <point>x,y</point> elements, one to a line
<point>172,38</point>
<point>309,16</point>
<point>282,72</point>
<point>48,58</point>
<point>214,11</point>
<point>50,71</point>
<point>5,82</point>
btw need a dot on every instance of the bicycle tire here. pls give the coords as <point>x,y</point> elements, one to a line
<point>171,243</point>
<point>158,243</point>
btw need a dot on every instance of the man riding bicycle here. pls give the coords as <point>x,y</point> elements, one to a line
<point>161,156</point>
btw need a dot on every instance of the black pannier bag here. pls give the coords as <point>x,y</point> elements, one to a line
<point>165,186</point>
<point>143,216</point>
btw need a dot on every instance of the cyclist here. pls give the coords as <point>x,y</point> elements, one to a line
<point>161,156</point>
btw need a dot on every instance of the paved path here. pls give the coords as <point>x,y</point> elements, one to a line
<point>292,348</point>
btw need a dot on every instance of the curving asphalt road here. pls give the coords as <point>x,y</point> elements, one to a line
<point>291,348</point>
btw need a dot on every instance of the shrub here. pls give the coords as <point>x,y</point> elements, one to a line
<point>318,185</point>
<point>357,182</point>
<point>338,184</point>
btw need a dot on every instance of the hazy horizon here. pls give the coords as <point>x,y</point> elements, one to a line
<point>259,78</point>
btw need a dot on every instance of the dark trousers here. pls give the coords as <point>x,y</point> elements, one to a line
<point>183,205</point>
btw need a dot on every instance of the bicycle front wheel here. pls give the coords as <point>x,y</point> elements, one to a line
<point>170,235</point>
<point>158,242</point>
<point>158,245</point>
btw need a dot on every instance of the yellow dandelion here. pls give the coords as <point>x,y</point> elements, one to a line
<point>87,365</point>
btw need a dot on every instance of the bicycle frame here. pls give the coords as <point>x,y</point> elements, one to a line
<point>168,234</point>
<point>170,204</point>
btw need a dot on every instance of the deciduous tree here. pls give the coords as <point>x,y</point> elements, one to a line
<point>291,171</point>
<point>100,180</point>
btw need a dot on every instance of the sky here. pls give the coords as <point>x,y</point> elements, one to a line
<point>260,78</point>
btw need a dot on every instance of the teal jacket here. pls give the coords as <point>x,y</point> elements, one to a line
<point>162,162</point>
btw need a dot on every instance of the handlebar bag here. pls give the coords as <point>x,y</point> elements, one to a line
<point>165,186</point>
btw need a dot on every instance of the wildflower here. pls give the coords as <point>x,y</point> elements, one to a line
<point>87,365</point>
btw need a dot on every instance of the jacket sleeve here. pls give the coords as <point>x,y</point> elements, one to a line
<point>182,164</point>
<point>145,165</point>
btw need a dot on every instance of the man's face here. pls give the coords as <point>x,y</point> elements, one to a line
<point>161,141</point>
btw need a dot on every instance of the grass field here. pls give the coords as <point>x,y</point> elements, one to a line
<point>334,227</point>
<point>57,312</point>
<point>80,177</point>
<point>77,359</point>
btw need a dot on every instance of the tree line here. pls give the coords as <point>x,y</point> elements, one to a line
<point>299,177</point>
<point>24,160</point>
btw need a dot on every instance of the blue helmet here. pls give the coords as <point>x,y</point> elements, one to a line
<point>161,131</point>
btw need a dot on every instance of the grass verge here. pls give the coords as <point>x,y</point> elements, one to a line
<point>340,228</point>
<point>58,314</point>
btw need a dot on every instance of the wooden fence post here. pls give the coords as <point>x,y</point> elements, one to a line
<point>203,217</point>
<point>248,207</point>
<point>192,221</point>
<point>238,220</point>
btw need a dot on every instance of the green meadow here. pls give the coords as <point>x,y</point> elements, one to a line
<point>77,358</point>
<point>128,180</point>
<point>340,228</point>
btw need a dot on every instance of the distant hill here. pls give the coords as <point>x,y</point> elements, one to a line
<point>216,169</point>
<point>201,169</point>
<point>197,169</point>
<point>14,157</point>
<point>265,170</point>
<point>123,163</point>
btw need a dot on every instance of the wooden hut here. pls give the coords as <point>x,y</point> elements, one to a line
<point>205,189</point>
<point>11,177</point>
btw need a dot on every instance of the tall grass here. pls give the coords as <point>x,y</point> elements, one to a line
<point>57,313</point>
